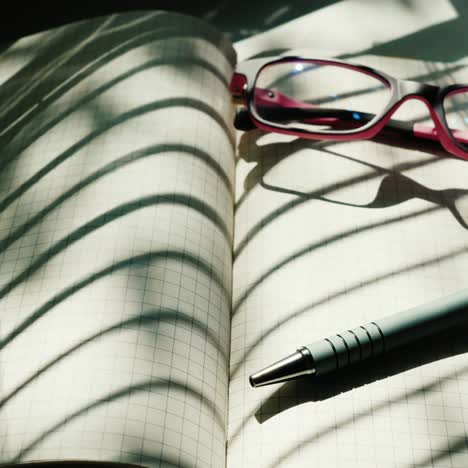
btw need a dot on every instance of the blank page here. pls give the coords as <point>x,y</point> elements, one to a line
<point>115,242</point>
<point>329,236</point>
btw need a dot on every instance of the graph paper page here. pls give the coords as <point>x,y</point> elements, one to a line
<point>329,236</point>
<point>115,242</point>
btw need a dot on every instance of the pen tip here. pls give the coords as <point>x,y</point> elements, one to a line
<point>295,365</point>
<point>252,381</point>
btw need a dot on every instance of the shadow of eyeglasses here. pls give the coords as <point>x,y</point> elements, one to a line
<point>392,188</point>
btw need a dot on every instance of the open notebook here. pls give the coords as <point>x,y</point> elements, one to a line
<point>151,259</point>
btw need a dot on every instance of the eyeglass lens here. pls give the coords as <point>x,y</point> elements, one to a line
<point>317,96</point>
<point>456,114</point>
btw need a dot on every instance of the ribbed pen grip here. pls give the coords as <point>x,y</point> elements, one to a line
<point>347,348</point>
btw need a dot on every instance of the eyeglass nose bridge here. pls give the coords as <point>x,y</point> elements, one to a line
<point>415,89</point>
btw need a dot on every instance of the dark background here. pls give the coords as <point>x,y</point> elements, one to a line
<point>443,40</point>
<point>22,17</point>
<point>237,18</point>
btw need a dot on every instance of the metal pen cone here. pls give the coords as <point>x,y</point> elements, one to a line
<point>295,365</point>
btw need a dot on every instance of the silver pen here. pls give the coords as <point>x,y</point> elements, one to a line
<point>367,341</point>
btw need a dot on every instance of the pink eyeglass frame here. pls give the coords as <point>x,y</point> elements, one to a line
<point>242,88</point>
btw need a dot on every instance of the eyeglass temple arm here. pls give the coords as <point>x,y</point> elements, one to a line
<point>276,106</point>
<point>430,133</point>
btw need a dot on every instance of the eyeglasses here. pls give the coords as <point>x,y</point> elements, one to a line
<point>336,100</point>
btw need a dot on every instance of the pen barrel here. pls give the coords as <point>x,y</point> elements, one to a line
<point>375,338</point>
<point>424,321</point>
